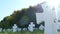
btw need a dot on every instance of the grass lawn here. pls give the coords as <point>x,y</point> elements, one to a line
<point>58,32</point>
<point>24,32</point>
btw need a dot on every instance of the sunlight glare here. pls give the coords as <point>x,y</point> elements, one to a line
<point>53,3</point>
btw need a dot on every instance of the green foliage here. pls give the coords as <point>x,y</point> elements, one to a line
<point>20,17</point>
<point>42,22</point>
<point>36,31</point>
<point>24,21</point>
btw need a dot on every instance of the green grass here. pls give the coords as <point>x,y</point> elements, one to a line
<point>24,32</point>
<point>58,32</point>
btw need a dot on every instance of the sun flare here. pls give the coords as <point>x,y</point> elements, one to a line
<point>53,2</point>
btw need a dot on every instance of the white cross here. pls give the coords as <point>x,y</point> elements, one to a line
<point>31,27</point>
<point>48,16</point>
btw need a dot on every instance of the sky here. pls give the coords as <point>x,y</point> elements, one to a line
<point>7,7</point>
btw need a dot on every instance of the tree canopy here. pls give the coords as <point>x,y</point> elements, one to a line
<point>20,17</point>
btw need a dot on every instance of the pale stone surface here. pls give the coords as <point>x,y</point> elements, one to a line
<point>31,27</point>
<point>14,28</point>
<point>0,29</point>
<point>58,26</point>
<point>9,30</point>
<point>41,27</point>
<point>24,29</point>
<point>3,30</point>
<point>19,29</point>
<point>49,17</point>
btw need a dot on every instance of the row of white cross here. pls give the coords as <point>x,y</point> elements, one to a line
<point>31,28</point>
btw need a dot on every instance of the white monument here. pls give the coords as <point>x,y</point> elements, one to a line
<point>19,29</point>
<point>0,29</point>
<point>9,30</point>
<point>14,28</point>
<point>31,27</point>
<point>41,27</point>
<point>24,29</point>
<point>49,17</point>
<point>58,26</point>
<point>4,30</point>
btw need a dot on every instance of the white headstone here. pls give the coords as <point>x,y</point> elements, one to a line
<point>24,29</point>
<point>3,30</point>
<point>31,27</point>
<point>9,30</point>
<point>14,28</point>
<point>41,27</point>
<point>0,29</point>
<point>19,29</point>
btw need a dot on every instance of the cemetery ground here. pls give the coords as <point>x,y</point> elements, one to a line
<point>24,32</point>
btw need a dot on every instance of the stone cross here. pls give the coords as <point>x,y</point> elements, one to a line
<point>14,28</point>
<point>49,16</point>
<point>41,27</point>
<point>31,27</point>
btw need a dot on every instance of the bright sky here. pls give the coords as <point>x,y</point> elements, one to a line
<point>8,6</point>
<point>53,2</point>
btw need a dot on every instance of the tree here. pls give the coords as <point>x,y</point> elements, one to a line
<point>20,17</point>
<point>43,23</point>
<point>24,21</point>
